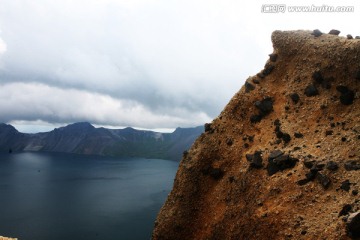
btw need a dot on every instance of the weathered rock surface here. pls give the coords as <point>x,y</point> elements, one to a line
<point>267,186</point>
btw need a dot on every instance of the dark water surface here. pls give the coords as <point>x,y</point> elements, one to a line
<point>64,196</point>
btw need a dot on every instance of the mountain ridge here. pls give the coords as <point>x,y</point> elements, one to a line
<point>84,138</point>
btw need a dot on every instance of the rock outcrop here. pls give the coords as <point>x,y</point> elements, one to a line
<point>5,238</point>
<point>282,160</point>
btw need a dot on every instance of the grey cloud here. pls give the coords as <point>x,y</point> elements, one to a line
<point>33,102</point>
<point>169,60</point>
<point>146,55</point>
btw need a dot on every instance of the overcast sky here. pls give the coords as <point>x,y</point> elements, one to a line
<point>141,63</point>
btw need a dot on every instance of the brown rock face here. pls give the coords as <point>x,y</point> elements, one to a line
<point>282,161</point>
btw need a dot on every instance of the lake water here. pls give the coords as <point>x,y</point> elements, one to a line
<point>63,196</point>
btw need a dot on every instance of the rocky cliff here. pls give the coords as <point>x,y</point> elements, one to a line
<point>282,160</point>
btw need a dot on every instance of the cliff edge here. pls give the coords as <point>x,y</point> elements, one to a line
<point>282,160</point>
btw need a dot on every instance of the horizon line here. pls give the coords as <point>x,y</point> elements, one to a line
<point>43,127</point>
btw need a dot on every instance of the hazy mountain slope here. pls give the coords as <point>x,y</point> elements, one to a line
<point>83,138</point>
<point>10,138</point>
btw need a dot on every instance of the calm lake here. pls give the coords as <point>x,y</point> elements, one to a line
<point>50,196</point>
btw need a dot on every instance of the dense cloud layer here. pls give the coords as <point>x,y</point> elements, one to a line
<point>128,63</point>
<point>63,105</point>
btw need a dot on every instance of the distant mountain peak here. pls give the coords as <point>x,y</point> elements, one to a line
<point>79,126</point>
<point>8,127</point>
<point>83,124</point>
<point>129,128</point>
